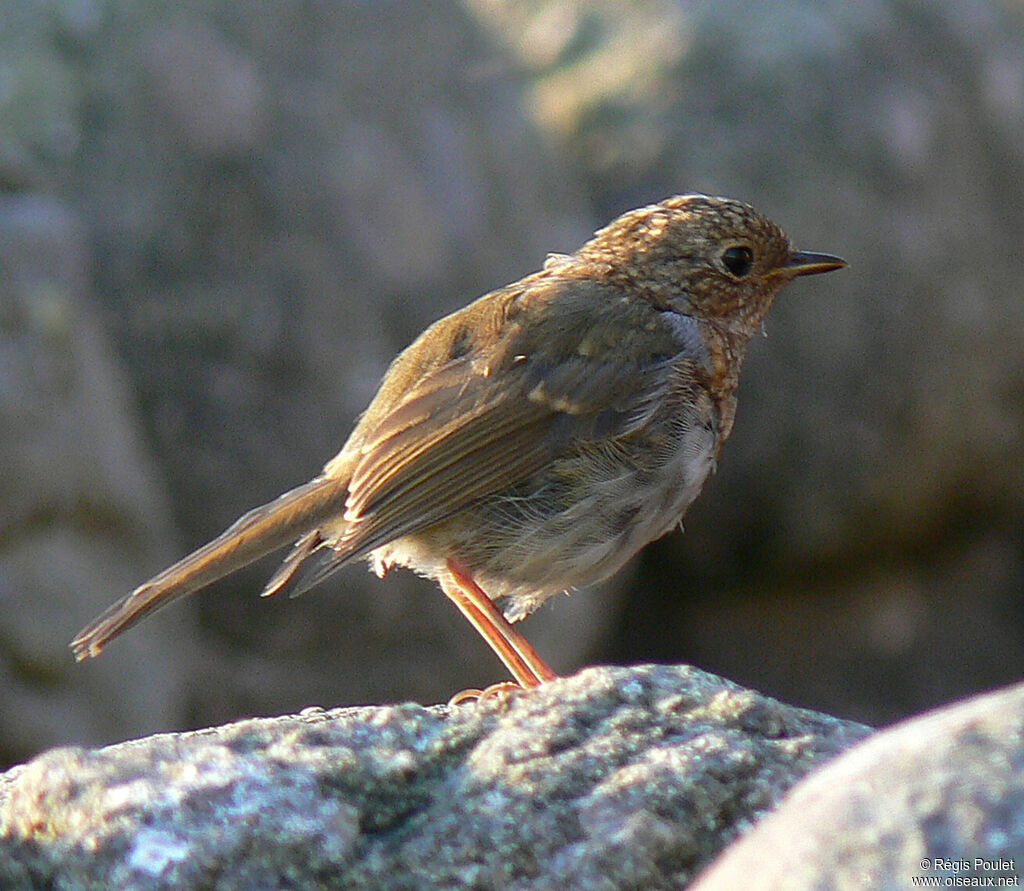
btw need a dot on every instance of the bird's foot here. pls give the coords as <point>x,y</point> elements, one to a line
<point>501,688</point>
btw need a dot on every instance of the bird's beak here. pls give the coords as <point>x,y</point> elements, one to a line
<point>806,263</point>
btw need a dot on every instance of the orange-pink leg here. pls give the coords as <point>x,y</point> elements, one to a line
<point>512,648</point>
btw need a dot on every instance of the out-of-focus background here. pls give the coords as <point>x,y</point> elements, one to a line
<point>220,221</point>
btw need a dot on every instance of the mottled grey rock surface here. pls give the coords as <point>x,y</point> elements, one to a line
<point>613,778</point>
<point>928,798</point>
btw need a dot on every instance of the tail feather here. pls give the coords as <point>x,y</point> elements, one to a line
<point>322,563</point>
<point>257,533</point>
<point>284,578</point>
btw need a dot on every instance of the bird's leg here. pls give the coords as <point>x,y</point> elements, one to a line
<point>512,648</point>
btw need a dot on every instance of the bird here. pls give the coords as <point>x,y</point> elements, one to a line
<point>535,440</point>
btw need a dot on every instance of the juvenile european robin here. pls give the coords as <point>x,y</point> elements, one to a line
<point>534,441</point>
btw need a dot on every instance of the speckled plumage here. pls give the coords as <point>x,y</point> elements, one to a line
<point>535,440</point>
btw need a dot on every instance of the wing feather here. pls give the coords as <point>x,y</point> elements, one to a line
<point>549,378</point>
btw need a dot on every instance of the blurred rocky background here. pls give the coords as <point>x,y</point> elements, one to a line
<point>219,222</point>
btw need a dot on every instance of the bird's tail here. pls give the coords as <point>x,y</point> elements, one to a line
<point>257,533</point>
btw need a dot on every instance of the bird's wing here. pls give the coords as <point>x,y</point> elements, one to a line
<point>559,371</point>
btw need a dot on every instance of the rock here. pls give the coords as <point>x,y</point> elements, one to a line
<point>939,797</point>
<point>613,778</point>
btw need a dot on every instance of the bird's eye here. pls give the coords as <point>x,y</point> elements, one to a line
<point>738,260</point>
